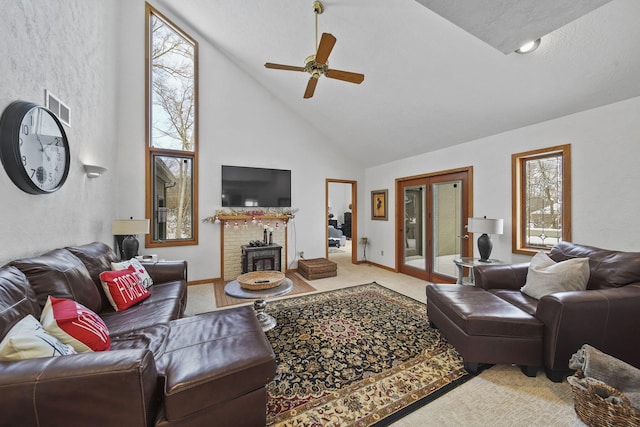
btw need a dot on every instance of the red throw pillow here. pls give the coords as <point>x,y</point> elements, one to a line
<point>74,324</point>
<point>124,288</point>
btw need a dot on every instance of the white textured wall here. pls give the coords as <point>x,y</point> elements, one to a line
<point>605,148</point>
<point>240,124</point>
<point>67,47</point>
<point>90,53</point>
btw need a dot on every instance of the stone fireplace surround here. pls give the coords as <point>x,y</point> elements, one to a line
<point>231,240</point>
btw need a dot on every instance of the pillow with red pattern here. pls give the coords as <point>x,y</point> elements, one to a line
<point>74,324</point>
<point>124,288</point>
<point>144,275</point>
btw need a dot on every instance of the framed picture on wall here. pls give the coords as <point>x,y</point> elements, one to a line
<point>379,205</point>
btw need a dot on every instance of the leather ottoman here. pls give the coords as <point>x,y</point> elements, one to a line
<point>485,328</point>
<point>216,365</point>
<point>317,268</point>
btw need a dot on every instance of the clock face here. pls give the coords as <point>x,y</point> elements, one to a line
<point>34,148</point>
<point>42,149</point>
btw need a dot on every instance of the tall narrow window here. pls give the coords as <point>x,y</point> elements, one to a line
<point>541,198</point>
<point>171,133</point>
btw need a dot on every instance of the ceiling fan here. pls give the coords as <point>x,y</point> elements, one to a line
<point>317,64</point>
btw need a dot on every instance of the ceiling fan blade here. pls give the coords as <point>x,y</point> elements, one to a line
<point>324,49</point>
<point>311,87</point>
<point>283,67</point>
<point>346,76</point>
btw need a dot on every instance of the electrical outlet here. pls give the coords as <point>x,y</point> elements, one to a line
<point>382,253</point>
<point>301,254</point>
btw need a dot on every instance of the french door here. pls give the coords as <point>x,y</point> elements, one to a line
<point>432,212</point>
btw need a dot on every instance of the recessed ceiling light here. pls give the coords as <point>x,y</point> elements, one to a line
<point>528,47</point>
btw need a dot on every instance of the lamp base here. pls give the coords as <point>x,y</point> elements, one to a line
<point>485,246</point>
<point>130,246</point>
<point>119,239</point>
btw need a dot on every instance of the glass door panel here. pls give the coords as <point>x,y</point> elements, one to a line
<point>447,226</point>
<point>414,226</point>
<point>430,225</point>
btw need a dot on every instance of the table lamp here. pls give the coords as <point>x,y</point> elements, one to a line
<point>485,226</point>
<point>125,231</point>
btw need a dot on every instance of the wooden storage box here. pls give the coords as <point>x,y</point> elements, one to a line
<point>317,268</point>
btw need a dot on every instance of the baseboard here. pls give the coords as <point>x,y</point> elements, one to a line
<point>201,282</point>
<point>384,267</point>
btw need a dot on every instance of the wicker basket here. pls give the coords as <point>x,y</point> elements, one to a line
<point>317,268</point>
<point>259,280</point>
<point>594,410</point>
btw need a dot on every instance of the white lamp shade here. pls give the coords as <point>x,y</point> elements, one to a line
<point>128,227</point>
<point>485,225</point>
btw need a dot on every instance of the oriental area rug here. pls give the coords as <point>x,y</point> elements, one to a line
<point>358,356</point>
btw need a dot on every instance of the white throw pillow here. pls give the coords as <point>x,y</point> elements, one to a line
<point>144,275</point>
<point>545,276</point>
<point>28,340</point>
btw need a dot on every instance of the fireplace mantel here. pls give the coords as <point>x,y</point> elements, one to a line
<point>252,217</point>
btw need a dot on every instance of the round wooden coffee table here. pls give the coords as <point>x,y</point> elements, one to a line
<point>260,296</point>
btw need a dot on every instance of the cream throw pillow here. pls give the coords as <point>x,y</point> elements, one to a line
<point>545,276</point>
<point>28,340</point>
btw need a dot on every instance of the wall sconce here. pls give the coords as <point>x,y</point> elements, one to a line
<point>93,171</point>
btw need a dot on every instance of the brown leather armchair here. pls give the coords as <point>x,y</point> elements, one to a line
<point>494,322</point>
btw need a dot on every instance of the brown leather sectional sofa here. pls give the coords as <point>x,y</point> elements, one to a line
<point>162,369</point>
<point>494,322</point>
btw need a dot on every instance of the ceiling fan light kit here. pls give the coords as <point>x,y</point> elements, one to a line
<point>318,64</point>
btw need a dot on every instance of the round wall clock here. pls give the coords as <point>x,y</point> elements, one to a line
<point>34,148</point>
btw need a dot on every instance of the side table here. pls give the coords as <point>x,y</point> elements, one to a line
<point>267,321</point>
<point>470,262</point>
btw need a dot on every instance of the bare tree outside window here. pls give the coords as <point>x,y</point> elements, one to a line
<point>172,88</point>
<point>172,131</point>
<point>543,202</point>
<point>541,198</point>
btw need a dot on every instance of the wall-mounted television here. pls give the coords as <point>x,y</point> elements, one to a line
<point>255,187</point>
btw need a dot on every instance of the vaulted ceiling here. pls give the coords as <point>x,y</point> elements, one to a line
<point>437,72</point>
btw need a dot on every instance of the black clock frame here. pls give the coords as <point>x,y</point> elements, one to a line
<point>10,126</point>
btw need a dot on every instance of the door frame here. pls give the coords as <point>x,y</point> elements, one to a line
<point>354,216</point>
<point>466,244</point>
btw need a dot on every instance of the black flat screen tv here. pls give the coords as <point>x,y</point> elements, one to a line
<point>255,187</point>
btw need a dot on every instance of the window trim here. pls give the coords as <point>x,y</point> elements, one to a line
<point>150,151</point>
<point>517,197</point>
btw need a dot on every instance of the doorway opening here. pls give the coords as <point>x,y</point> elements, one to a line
<point>341,225</point>
<point>431,219</point>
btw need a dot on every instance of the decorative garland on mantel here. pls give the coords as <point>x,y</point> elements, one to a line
<point>253,215</point>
